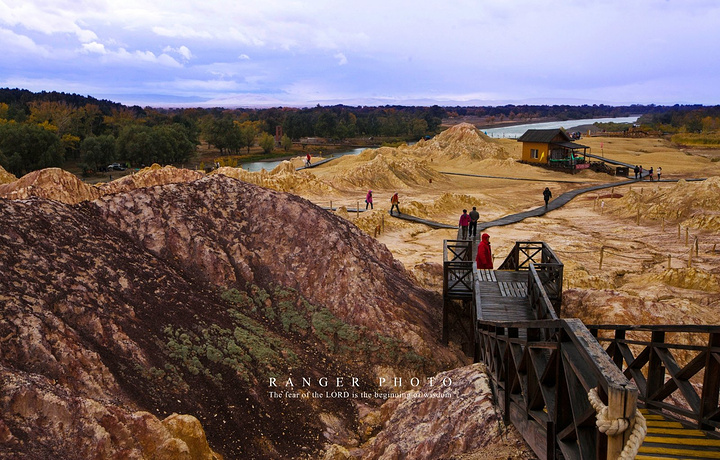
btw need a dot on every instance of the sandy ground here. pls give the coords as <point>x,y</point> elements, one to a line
<point>635,254</point>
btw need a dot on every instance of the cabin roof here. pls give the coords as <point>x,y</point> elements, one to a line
<point>543,135</point>
<point>571,145</point>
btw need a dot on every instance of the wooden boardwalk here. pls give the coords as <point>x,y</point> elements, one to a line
<point>419,220</point>
<point>317,163</point>
<point>503,296</point>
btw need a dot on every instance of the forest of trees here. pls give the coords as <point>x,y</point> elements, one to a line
<point>45,129</point>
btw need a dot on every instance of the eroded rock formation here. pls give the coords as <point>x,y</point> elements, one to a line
<point>186,299</point>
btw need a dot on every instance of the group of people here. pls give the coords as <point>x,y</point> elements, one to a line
<point>468,230</point>
<point>639,171</point>
<point>394,202</point>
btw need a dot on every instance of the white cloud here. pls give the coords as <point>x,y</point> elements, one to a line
<point>182,31</point>
<point>183,51</point>
<point>342,60</point>
<point>244,57</point>
<point>94,47</point>
<point>10,41</point>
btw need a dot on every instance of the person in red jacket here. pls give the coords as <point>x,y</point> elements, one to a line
<point>368,200</point>
<point>464,223</point>
<point>484,253</point>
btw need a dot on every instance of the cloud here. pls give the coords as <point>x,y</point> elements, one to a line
<point>244,57</point>
<point>181,31</point>
<point>94,47</point>
<point>44,20</point>
<point>342,60</point>
<point>11,41</point>
<point>183,51</point>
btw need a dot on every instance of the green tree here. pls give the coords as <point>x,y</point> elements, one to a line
<point>223,133</point>
<point>267,142</point>
<point>247,135</point>
<point>27,147</point>
<point>97,151</point>
<point>160,144</point>
<point>286,142</point>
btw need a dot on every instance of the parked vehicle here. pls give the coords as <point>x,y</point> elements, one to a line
<point>116,167</point>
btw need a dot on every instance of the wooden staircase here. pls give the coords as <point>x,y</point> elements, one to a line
<point>543,367</point>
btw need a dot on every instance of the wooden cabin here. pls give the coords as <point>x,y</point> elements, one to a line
<point>553,148</point>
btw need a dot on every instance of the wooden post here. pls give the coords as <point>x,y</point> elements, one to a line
<point>697,247</point>
<point>687,236</point>
<point>638,217</point>
<point>714,246</point>
<point>663,224</point>
<point>622,403</point>
<point>678,231</point>
<point>602,207</point>
<point>669,261</point>
<point>595,202</point>
<point>357,209</point>
<point>331,206</point>
<point>382,222</point>
<point>612,192</point>
<point>711,384</point>
<point>602,253</point>
<point>690,258</point>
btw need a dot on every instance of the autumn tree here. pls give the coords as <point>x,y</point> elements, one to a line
<point>266,142</point>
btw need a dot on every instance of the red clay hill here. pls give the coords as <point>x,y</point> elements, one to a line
<point>187,299</point>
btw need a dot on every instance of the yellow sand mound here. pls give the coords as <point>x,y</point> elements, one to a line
<point>388,172</point>
<point>51,183</point>
<point>6,177</point>
<point>283,178</point>
<point>462,141</point>
<point>697,204</point>
<point>149,177</point>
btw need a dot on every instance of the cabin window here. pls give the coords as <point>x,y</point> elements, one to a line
<point>534,153</point>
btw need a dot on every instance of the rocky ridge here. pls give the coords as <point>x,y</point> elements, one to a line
<point>184,299</point>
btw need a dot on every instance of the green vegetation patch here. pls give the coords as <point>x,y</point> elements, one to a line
<point>704,140</point>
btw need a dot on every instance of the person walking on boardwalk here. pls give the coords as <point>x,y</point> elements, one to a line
<point>659,172</point>
<point>394,202</point>
<point>547,194</point>
<point>650,173</point>
<point>637,171</point>
<point>368,200</point>
<point>464,223</point>
<point>474,217</point>
<point>307,160</point>
<point>484,254</point>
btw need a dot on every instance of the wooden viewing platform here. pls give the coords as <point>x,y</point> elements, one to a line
<point>542,367</point>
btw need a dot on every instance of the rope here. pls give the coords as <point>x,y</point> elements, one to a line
<point>613,427</point>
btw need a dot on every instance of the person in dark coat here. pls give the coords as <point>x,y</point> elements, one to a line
<point>637,171</point>
<point>547,194</point>
<point>484,253</point>
<point>474,217</point>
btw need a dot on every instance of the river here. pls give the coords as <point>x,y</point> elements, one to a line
<point>513,132</point>
<point>510,132</point>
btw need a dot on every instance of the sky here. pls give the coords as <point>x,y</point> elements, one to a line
<point>240,53</point>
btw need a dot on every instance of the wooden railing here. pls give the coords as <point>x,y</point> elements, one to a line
<point>525,253</point>
<point>537,254</point>
<point>457,250</point>
<point>542,372</point>
<point>676,368</point>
